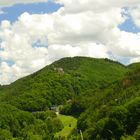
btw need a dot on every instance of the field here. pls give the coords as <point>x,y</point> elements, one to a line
<point>69,124</point>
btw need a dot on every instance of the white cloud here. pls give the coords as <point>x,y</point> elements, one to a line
<point>86,26</point>
<point>135,13</point>
<point>126,45</point>
<point>74,6</point>
<point>135,60</point>
<point>56,52</point>
<point>18,45</point>
<point>9,74</point>
<point>81,27</point>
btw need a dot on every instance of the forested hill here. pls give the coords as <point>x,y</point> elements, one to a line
<point>103,94</point>
<point>60,81</point>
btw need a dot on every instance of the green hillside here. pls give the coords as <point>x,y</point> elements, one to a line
<point>112,112</point>
<point>62,80</point>
<point>103,95</point>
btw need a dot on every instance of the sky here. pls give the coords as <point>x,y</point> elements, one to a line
<point>35,33</point>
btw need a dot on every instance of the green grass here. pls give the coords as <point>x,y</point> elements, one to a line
<point>69,124</point>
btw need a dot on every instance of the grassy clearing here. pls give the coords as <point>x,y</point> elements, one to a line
<point>69,124</point>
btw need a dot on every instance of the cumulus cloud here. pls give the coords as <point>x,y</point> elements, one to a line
<point>74,6</point>
<point>85,26</point>
<point>88,49</point>
<point>135,13</point>
<point>126,45</point>
<point>135,60</point>
<point>80,28</point>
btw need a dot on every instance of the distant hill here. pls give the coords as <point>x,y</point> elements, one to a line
<point>103,95</point>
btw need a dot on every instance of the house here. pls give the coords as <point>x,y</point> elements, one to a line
<point>54,108</point>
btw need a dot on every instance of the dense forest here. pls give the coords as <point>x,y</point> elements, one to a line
<point>103,95</point>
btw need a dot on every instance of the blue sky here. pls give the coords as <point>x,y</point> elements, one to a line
<point>129,26</point>
<point>12,13</point>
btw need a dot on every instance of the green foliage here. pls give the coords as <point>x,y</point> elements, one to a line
<point>133,115</point>
<point>112,129</point>
<point>127,138</point>
<point>73,108</point>
<point>137,133</point>
<point>15,123</point>
<point>5,134</point>
<point>120,113</point>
